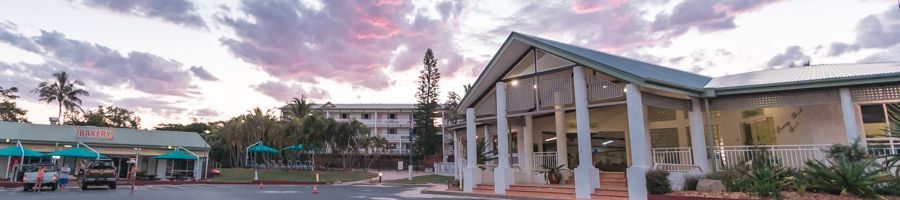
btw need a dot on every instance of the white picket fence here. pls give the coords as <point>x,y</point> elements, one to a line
<point>674,159</point>
<point>544,158</point>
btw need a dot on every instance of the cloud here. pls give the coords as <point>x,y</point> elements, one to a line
<point>14,39</point>
<point>101,65</point>
<point>705,15</point>
<point>203,74</point>
<point>344,41</point>
<point>156,106</point>
<point>285,92</point>
<point>877,31</point>
<point>792,56</point>
<point>206,112</point>
<point>180,12</point>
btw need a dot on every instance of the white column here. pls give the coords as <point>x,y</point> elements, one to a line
<point>457,158</point>
<point>587,177</point>
<point>639,143</point>
<point>161,169</point>
<point>562,149</point>
<point>850,126</point>
<point>488,142</point>
<point>502,172</point>
<point>526,158</point>
<point>520,144</point>
<point>698,136</point>
<point>471,171</point>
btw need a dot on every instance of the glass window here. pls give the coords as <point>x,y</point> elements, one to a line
<point>392,116</point>
<point>546,61</point>
<point>345,116</point>
<point>524,67</point>
<point>872,113</point>
<point>392,131</point>
<point>365,116</point>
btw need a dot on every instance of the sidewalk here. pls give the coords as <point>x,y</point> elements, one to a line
<point>389,175</point>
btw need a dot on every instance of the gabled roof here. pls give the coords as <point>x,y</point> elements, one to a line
<point>645,71</point>
<point>660,77</point>
<point>121,136</point>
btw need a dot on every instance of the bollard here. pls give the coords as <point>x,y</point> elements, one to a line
<point>316,185</point>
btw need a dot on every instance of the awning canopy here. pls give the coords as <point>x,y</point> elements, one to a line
<point>20,151</point>
<point>263,149</point>
<point>296,147</point>
<point>77,152</point>
<point>176,155</point>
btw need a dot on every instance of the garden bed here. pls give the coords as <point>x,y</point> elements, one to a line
<point>785,195</point>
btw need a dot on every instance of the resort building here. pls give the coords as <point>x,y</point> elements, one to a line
<point>118,144</point>
<point>391,121</point>
<point>611,119</point>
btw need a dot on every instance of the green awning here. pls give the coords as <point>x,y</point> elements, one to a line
<point>176,155</point>
<point>18,151</point>
<point>77,152</point>
<point>263,149</point>
<point>296,147</point>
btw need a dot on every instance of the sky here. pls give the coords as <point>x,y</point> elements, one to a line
<point>178,61</point>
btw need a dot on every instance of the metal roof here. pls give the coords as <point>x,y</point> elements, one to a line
<point>799,75</point>
<point>121,136</point>
<point>367,106</point>
<point>643,70</point>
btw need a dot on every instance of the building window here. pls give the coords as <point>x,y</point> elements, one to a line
<point>392,116</point>
<point>656,114</point>
<point>392,131</point>
<point>365,116</point>
<point>880,119</point>
<point>345,116</point>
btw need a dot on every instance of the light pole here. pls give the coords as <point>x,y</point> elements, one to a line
<point>412,133</point>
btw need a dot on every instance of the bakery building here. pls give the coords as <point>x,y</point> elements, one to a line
<point>119,144</point>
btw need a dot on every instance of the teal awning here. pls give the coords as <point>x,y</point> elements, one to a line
<point>18,151</point>
<point>176,155</point>
<point>77,152</point>
<point>296,147</point>
<point>263,149</point>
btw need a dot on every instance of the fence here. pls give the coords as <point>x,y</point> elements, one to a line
<point>883,146</point>
<point>791,156</point>
<point>544,158</point>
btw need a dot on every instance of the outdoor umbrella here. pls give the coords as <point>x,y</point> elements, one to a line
<point>78,153</point>
<point>262,149</point>
<point>176,155</point>
<point>17,151</point>
<point>296,147</point>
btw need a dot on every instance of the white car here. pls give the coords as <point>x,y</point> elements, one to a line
<point>51,175</point>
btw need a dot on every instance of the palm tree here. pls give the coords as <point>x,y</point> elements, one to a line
<point>62,91</point>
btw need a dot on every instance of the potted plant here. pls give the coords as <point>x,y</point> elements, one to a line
<point>553,174</point>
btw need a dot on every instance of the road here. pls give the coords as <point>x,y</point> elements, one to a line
<point>229,192</point>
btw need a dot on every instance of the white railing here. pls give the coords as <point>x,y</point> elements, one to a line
<point>445,168</point>
<point>791,156</point>
<point>544,158</point>
<point>883,146</point>
<point>673,155</point>
<point>396,151</point>
<point>514,159</point>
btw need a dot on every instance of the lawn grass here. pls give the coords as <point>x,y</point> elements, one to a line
<point>246,175</point>
<point>424,180</point>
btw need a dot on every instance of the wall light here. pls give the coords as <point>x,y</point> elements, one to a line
<point>170,147</point>
<point>607,142</point>
<point>67,146</point>
<point>514,82</point>
<point>7,140</point>
<point>625,90</point>
<point>551,139</point>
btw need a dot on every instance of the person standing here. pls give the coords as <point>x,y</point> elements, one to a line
<point>64,176</point>
<point>38,183</point>
<point>79,171</point>
<point>132,175</point>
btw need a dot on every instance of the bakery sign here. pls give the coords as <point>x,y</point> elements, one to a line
<point>94,133</point>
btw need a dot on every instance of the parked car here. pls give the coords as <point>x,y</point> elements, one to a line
<point>100,172</point>
<point>29,178</point>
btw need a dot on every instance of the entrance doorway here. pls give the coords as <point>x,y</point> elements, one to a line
<point>758,132</point>
<point>608,151</point>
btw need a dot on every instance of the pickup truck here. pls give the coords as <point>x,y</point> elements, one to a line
<point>29,179</point>
<point>100,172</point>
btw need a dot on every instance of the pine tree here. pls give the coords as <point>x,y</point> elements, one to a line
<point>9,111</point>
<point>427,140</point>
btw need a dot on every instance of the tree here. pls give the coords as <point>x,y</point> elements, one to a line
<point>450,107</point>
<point>9,111</point>
<point>109,116</point>
<point>427,139</point>
<point>62,91</point>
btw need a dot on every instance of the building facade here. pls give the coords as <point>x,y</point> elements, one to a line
<point>542,102</point>
<point>119,144</point>
<point>391,121</point>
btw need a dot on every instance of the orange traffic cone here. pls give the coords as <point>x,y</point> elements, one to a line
<point>316,185</point>
<point>256,178</point>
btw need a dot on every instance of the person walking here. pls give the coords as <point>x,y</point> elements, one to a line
<point>64,176</point>
<point>38,183</point>
<point>132,175</point>
<point>79,171</point>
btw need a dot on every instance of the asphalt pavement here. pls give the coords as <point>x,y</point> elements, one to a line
<point>229,192</point>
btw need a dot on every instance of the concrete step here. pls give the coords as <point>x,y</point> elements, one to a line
<point>620,175</point>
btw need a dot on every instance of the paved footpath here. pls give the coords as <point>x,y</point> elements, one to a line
<point>235,192</point>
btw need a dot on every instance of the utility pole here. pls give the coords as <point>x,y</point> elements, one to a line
<point>409,167</point>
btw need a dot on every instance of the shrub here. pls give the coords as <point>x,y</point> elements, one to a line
<point>841,176</point>
<point>766,180</point>
<point>731,179</point>
<point>658,182</point>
